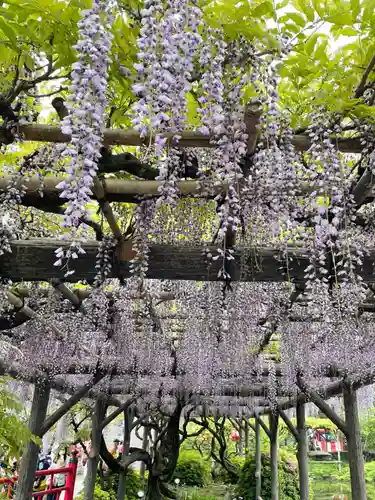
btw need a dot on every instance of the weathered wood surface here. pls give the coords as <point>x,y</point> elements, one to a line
<point>274,452</point>
<point>302,453</point>
<point>30,456</point>
<point>50,133</point>
<point>355,448</point>
<point>33,260</point>
<point>44,192</point>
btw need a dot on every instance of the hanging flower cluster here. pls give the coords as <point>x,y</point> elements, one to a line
<point>168,41</point>
<point>87,106</point>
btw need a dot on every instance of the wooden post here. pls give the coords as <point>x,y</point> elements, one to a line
<point>302,452</point>
<point>355,452</point>
<point>30,457</point>
<point>274,421</point>
<point>246,423</point>
<point>93,458</point>
<point>128,421</point>
<point>258,462</point>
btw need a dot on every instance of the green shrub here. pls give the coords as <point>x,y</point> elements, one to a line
<point>133,485</point>
<point>191,469</point>
<point>329,471</point>
<point>288,480</point>
<point>221,475</point>
<point>370,472</point>
<point>198,496</point>
<point>98,495</point>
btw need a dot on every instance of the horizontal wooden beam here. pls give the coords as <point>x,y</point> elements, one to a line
<point>49,133</point>
<point>33,260</point>
<point>43,192</point>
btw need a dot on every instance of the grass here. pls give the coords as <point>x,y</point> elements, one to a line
<point>209,492</point>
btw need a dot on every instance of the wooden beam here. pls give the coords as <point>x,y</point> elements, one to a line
<point>355,449</point>
<point>33,260</point>
<point>302,452</point>
<point>116,190</point>
<point>258,461</point>
<point>315,398</point>
<point>263,425</point>
<point>274,452</point>
<point>188,139</point>
<point>20,306</point>
<point>289,424</point>
<point>29,458</point>
<point>43,192</point>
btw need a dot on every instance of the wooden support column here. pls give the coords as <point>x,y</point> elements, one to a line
<point>30,457</point>
<point>300,436</point>
<point>246,424</point>
<point>93,458</point>
<point>355,451</point>
<point>302,452</point>
<point>258,462</point>
<point>274,421</point>
<point>128,421</point>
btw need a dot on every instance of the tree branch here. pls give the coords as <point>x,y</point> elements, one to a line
<point>72,401</point>
<point>323,406</point>
<point>263,426</point>
<point>362,84</point>
<point>289,424</point>
<point>117,412</point>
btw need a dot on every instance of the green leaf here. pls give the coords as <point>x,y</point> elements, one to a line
<point>310,44</point>
<point>262,9</point>
<point>348,31</point>
<point>355,8</point>
<point>297,18</point>
<point>318,8</point>
<point>305,7</point>
<point>341,19</point>
<point>8,31</point>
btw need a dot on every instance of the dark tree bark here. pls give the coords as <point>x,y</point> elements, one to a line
<point>165,459</point>
<point>30,457</point>
<point>145,448</point>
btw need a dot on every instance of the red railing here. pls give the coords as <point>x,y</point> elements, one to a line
<point>70,472</point>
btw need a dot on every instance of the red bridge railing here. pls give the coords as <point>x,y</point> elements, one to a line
<point>70,471</point>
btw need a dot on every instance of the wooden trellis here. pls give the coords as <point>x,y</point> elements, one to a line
<point>33,260</point>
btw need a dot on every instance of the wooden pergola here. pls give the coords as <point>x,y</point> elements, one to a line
<point>32,260</point>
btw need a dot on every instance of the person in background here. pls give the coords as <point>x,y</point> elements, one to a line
<point>114,449</point>
<point>40,482</point>
<point>58,479</point>
<point>120,450</point>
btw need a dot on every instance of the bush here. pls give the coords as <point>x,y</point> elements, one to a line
<point>198,496</point>
<point>221,475</point>
<point>98,495</point>
<point>329,471</point>
<point>191,469</point>
<point>288,480</point>
<point>133,485</point>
